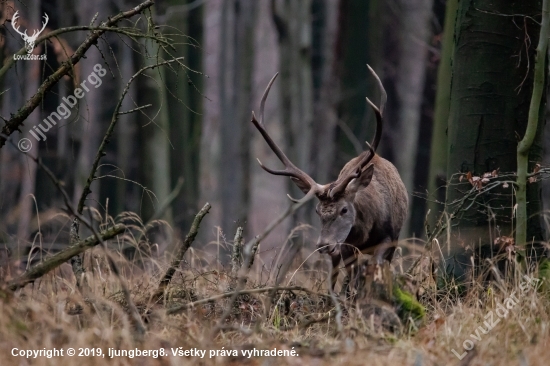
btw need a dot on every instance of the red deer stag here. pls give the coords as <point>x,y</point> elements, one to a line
<point>363,210</point>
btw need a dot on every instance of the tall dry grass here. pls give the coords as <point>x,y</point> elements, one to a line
<point>53,313</point>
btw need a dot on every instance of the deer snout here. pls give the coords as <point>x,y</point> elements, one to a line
<point>333,249</point>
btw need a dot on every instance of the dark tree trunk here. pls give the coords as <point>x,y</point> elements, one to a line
<point>28,179</point>
<point>185,109</point>
<point>154,134</point>
<point>438,153</point>
<point>292,21</point>
<point>236,66</point>
<point>411,76</point>
<point>325,91</point>
<point>490,95</point>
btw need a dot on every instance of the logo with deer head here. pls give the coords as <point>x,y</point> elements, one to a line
<point>29,40</point>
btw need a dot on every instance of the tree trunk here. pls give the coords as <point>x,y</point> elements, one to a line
<point>490,96</point>
<point>154,133</point>
<point>546,182</point>
<point>411,71</point>
<point>28,168</point>
<point>90,123</point>
<point>438,152</point>
<point>353,52</point>
<point>325,92</point>
<point>185,108</point>
<point>293,24</point>
<point>126,132</point>
<point>536,109</point>
<point>10,158</point>
<point>236,63</point>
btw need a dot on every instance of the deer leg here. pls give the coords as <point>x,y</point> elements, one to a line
<point>334,272</point>
<point>384,251</point>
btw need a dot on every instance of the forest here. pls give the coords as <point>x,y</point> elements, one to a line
<point>146,211</point>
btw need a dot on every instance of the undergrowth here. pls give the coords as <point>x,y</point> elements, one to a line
<point>292,312</point>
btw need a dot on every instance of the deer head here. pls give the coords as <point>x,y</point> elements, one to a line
<point>338,208</point>
<point>29,40</point>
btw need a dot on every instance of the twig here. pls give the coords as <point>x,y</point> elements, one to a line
<point>253,251</point>
<point>252,246</point>
<point>442,225</point>
<point>249,255</point>
<point>9,62</point>
<point>182,249</point>
<point>167,202</point>
<point>135,109</point>
<point>57,259</point>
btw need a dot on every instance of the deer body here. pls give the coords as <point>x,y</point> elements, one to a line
<point>373,224</point>
<point>362,212</point>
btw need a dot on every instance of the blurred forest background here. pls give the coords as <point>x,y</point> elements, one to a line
<point>198,129</point>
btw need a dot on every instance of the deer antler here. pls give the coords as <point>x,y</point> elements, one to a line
<point>290,169</point>
<point>36,33</point>
<point>341,184</point>
<point>13,24</point>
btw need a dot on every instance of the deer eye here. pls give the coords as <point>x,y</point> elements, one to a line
<point>344,211</point>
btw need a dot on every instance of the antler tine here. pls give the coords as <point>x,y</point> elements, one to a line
<point>309,195</point>
<point>340,186</point>
<point>264,98</point>
<point>383,96</point>
<point>14,18</point>
<point>44,23</point>
<point>342,183</point>
<point>37,32</point>
<point>290,169</point>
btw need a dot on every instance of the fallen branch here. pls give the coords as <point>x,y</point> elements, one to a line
<point>249,253</point>
<point>140,328</point>
<point>236,259</point>
<point>57,259</point>
<point>180,308</point>
<point>182,249</point>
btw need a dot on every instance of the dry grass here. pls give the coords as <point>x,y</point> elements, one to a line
<point>52,313</point>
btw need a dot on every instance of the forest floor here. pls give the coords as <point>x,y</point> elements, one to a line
<point>197,321</point>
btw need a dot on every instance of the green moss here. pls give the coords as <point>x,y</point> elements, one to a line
<point>407,304</point>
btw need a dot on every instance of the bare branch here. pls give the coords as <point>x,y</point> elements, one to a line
<point>15,123</point>
<point>179,308</point>
<point>57,259</point>
<point>178,257</point>
<point>110,130</point>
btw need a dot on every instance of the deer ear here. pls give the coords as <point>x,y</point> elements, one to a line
<point>304,187</point>
<point>362,181</point>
